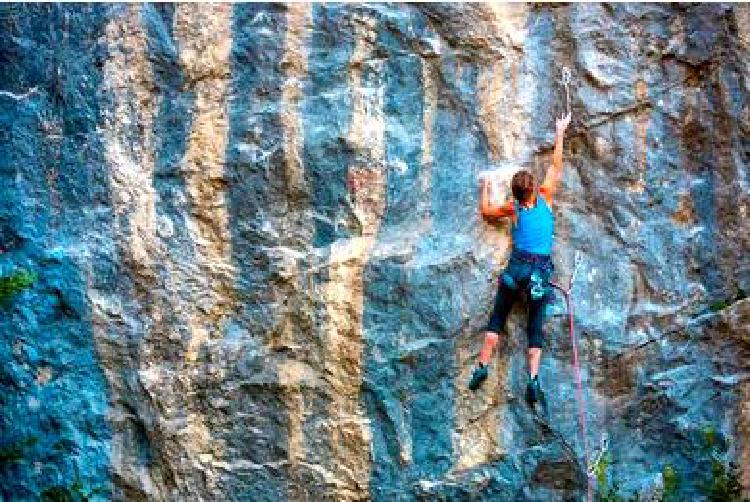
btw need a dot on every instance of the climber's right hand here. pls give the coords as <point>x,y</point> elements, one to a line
<point>562,123</point>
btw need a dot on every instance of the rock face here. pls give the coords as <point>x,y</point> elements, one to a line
<point>262,274</point>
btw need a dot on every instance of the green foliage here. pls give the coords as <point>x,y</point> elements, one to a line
<point>671,484</point>
<point>720,484</point>
<point>601,467</point>
<point>723,485</point>
<point>76,492</point>
<point>708,436</point>
<point>607,489</point>
<point>11,285</point>
<point>14,452</point>
<point>611,493</point>
<point>606,492</point>
<point>58,493</point>
<point>719,305</point>
<point>723,482</point>
<point>73,493</point>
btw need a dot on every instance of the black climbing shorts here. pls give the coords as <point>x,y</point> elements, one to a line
<point>513,284</point>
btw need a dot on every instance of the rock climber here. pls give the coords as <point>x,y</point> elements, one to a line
<point>530,266</point>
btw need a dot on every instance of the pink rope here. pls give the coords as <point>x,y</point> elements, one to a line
<point>579,385</point>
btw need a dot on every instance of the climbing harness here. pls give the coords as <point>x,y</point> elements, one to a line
<point>566,291</point>
<point>566,78</point>
<point>537,291</point>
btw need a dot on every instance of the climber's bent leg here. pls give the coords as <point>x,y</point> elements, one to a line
<point>535,331</point>
<point>534,355</point>
<point>503,302</point>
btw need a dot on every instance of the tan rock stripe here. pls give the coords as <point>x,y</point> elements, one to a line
<point>742,16</point>
<point>505,121</point>
<point>430,79</point>
<point>128,80</point>
<point>344,293</point>
<point>206,38</point>
<point>203,33</point>
<point>292,374</point>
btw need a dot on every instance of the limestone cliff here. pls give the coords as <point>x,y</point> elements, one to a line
<point>261,271</point>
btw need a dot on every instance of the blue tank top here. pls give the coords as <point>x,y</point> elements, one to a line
<point>534,230</point>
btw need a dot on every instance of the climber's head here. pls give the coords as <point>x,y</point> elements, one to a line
<point>523,186</point>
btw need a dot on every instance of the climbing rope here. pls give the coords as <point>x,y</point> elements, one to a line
<point>567,76</point>
<point>577,366</point>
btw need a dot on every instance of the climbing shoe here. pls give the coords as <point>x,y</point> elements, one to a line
<point>542,403</point>
<point>478,377</point>
<point>534,392</point>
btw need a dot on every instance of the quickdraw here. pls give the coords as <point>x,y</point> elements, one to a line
<point>567,76</point>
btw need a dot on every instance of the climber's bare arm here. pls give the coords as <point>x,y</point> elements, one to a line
<point>488,209</point>
<point>554,173</point>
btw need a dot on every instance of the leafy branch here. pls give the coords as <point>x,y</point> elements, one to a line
<point>11,285</point>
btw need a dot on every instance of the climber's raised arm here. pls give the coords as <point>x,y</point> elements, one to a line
<point>554,172</point>
<point>490,210</point>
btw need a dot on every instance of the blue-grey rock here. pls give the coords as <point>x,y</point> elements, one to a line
<point>262,275</point>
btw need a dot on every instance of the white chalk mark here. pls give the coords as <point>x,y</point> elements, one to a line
<point>19,97</point>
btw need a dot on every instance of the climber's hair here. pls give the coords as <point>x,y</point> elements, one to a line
<point>523,185</point>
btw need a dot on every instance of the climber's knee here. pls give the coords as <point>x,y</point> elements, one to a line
<point>491,338</point>
<point>536,339</point>
<point>490,342</point>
